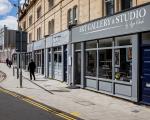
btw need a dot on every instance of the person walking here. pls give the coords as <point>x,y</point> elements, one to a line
<point>31,69</point>
<point>10,63</point>
<point>7,61</point>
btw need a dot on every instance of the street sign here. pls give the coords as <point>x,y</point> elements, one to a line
<point>19,40</point>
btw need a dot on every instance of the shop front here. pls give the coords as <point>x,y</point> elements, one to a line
<point>107,51</point>
<point>145,68</point>
<point>56,47</point>
<point>38,53</point>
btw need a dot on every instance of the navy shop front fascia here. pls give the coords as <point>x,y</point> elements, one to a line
<point>109,53</point>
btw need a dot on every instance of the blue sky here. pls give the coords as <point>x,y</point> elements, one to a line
<point>8,13</point>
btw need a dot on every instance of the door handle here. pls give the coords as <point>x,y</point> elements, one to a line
<point>142,77</point>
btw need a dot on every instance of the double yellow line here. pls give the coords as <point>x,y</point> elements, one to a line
<point>41,106</point>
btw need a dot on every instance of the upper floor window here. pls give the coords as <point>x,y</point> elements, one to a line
<point>24,25</point>
<point>125,4</point>
<point>39,33</point>
<point>39,12</point>
<point>30,20</point>
<point>75,14</point>
<point>50,3</point>
<point>51,27</point>
<point>72,16</point>
<point>109,7</point>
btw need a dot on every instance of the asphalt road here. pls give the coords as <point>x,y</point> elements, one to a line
<point>12,108</point>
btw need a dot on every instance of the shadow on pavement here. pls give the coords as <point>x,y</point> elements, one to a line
<point>38,85</point>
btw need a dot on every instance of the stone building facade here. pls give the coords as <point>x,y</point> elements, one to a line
<point>89,43</point>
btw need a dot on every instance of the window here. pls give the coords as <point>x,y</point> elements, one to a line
<point>51,27</point>
<point>57,55</point>
<point>30,37</point>
<point>24,25</point>
<point>78,46</point>
<point>38,58</point>
<point>125,4</point>
<point>91,44</point>
<point>123,59</point>
<point>75,14</point>
<point>39,33</point>
<point>91,63</point>
<point>30,20</point>
<point>105,63</point>
<point>105,58</point>
<point>50,3</point>
<point>91,58</point>
<point>146,38</point>
<point>105,43</point>
<point>39,11</point>
<point>109,7</point>
<point>70,16</point>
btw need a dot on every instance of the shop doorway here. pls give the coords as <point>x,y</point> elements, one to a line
<point>145,77</point>
<point>145,68</point>
<point>58,64</point>
<point>65,63</point>
<point>43,62</point>
<point>77,68</point>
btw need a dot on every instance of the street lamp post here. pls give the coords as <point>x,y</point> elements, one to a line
<point>20,48</point>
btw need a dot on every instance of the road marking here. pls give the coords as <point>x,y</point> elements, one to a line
<point>77,114</point>
<point>43,107</point>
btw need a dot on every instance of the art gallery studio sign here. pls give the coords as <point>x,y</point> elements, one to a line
<point>132,21</point>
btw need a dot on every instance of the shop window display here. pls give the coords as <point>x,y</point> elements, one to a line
<point>91,44</point>
<point>105,63</point>
<point>91,63</point>
<point>105,43</point>
<point>123,61</point>
<point>77,46</point>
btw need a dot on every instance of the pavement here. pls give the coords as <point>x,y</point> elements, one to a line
<point>84,104</point>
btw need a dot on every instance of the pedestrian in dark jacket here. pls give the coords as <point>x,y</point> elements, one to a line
<point>10,63</point>
<point>31,69</point>
<point>7,61</point>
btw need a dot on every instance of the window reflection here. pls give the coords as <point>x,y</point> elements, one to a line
<point>105,63</point>
<point>91,63</point>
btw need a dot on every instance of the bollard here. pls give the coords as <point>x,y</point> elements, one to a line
<point>13,71</point>
<point>17,72</point>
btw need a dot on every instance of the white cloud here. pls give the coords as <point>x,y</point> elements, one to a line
<point>22,1</point>
<point>5,7</point>
<point>10,22</point>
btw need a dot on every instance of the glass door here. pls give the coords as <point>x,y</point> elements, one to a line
<point>78,67</point>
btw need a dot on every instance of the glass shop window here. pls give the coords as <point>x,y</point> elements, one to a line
<point>55,57</point>
<point>78,46</point>
<point>91,63</point>
<point>146,38</point>
<point>105,43</point>
<point>123,61</point>
<point>123,41</point>
<point>91,44</point>
<point>57,54</point>
<point>49,55</point>
<point>105,63</point>
<point>59,57</point>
